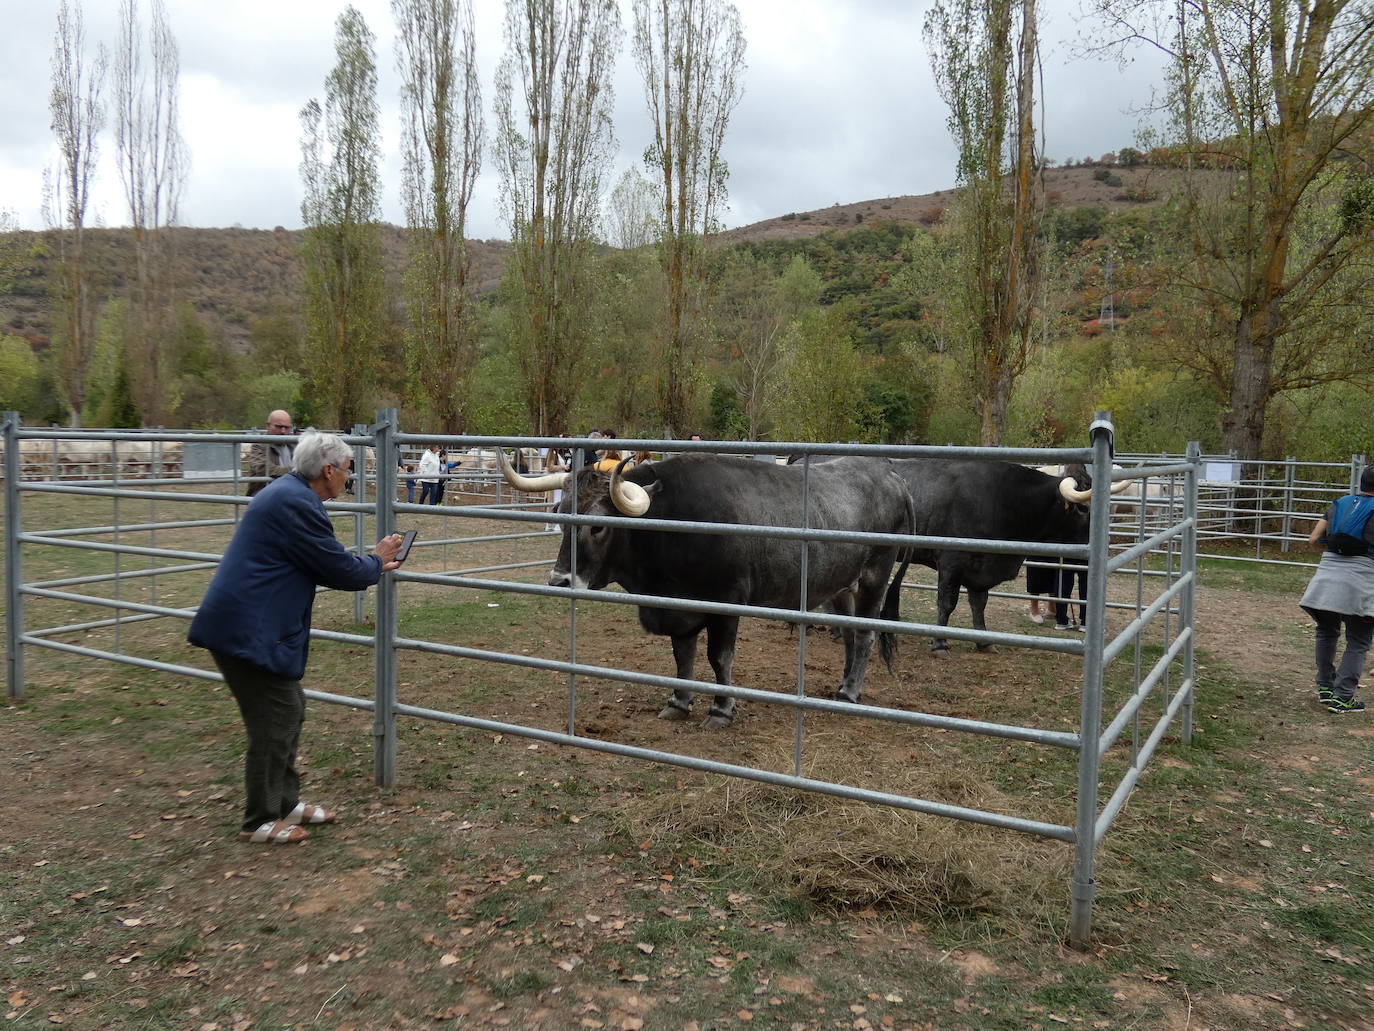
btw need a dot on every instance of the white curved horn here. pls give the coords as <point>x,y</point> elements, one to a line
<point>1122,485</point>
<point>1069,492</point>
<point>549,481</point>
<point>630,498</point>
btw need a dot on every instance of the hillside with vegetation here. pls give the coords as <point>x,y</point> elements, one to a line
<point>809,307</point>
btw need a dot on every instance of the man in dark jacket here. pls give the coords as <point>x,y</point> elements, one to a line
<point>255,620</point>
<point>272,460</point>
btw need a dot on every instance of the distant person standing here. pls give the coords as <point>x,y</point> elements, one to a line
<point>271,460</point>
<point>590,456</point>
<point>1341,594</point>
<point>556,460</point>
<point>429,476</point>
<point>444,468</point>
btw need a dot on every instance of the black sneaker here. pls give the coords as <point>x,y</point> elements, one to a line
<point>1344,705</point>
<point>1325,695</point>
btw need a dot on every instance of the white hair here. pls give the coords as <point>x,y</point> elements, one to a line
<point>316,450</point>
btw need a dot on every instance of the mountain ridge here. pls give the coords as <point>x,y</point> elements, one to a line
<point>233,277</point>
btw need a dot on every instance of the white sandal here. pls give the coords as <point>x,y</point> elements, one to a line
<point>275,832</point>
<point>308,814</point>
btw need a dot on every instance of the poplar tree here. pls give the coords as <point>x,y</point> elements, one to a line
<point>553,146</point>
<point>632,212</point>
<point>984,55</point>
<point>441,139</point>
<point>1270,116</point>
<point>78,115</point>
<point>342,249</point>
<point>690,55</point>
<point>152,166</point>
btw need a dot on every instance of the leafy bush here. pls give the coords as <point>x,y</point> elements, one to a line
<point>1328,423</point>
<point>1161,410</point>
<point>1054,399</point>
<point>727,417</point>
<point>19,376</point>
<point>821,381</point>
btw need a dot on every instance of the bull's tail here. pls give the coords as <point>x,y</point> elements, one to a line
<point>892,604</point>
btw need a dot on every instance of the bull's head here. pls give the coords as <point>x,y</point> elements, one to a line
<point>597,494</point>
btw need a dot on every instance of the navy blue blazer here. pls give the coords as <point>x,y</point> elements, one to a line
<point>257,607</point>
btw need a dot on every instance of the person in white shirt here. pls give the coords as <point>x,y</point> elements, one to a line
<point>429,476</point>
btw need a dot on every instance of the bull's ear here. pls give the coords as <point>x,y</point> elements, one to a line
<point>653,487</point>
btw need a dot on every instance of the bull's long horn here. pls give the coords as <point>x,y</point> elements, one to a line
<point>549,481</point>
<point>1121,485</point>
<point>1069,492</point>
<point>630,498</point>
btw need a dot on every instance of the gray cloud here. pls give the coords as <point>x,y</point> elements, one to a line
<point>838,105</point>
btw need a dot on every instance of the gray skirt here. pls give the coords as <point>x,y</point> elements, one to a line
<point>1342,583</point>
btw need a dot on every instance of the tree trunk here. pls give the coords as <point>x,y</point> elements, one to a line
<point>1243,424</point>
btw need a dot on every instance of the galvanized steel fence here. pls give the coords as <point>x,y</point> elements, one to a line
<point>1155,555</point>
<point>1256,511</point>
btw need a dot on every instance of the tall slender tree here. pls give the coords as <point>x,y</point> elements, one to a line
<point>78,115</point>
<point>153,166</point>
<point>757,309</point>
<point>342,249</point>
<point>632,211</point>
<point>690,55</point>
<point>553,146</point>
<point>441,138</point>
<point>1270,109</point>
<point>984,54</point>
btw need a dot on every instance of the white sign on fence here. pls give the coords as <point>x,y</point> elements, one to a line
<point>1222,472</point>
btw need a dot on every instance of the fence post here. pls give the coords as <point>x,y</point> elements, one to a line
<point>359,534</point>
<point>1102,435</point>
<point>1185,603</point>
<point>14,613</point>
<point>1288,478</point>
<point>1237,476</point>
<point>384,643</point>
<point>1357,463</point>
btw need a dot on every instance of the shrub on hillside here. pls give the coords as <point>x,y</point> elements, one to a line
<point>19,376</point>
<point>1324,424</point>
<point>1161,410</point>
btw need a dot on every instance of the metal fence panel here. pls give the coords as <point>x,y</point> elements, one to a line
<point>1162,528</point>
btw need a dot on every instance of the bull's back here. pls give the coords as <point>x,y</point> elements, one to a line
<point>855,495</point>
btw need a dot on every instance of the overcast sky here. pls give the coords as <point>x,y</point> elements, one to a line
<point>838,105</point>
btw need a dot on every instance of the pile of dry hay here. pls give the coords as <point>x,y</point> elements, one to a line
<point>843,854</point>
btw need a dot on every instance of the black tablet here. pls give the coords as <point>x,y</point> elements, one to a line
<point>407,539</point>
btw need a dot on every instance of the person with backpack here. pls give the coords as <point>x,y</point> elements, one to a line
<point>1341,594</point>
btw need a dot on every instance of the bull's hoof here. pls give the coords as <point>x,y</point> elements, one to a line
<point>672,712</point>
<point>718,722</point>
<point>986,647</point>
<point>940,653</point>
<point>840,696</point>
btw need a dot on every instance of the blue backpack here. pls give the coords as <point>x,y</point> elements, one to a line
<point>1346,535</point>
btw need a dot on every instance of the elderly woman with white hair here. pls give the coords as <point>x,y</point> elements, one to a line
<point>255,620</point>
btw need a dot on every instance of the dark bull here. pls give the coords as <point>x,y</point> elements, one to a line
<point>851,494</point>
